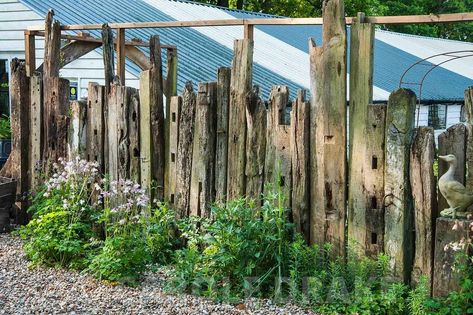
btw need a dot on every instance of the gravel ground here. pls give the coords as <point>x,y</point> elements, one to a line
<point>57,291</point>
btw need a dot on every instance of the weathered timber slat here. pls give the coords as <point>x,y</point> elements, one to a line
<point>398,217</point>
<point>52,46</point>
<point>133,125</point>
<point>240,85</point>
<point>157,116</point>
<point>424,195</point>
<point>449,232</point>
<point>278,152</point>
<point>452,141</point>
<point>95,133</point>
<point>116,129</point>
<point>468,110</point>
<point>30,54</point>
<point>17,164</point>
<point>256,117</point>
<point>146,140</point>
<point>36,141</point>
<point>328,131</point>
<point>202,190</point>
<point>184,151</point>
<point>299,147</point>
<point>221,155</point>
<point>108,53</point>
<point>362,200</point>
<point>170,90</point>
<point>175,108</point>
<point>76,137</point>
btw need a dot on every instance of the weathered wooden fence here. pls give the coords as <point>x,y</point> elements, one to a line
<point>220,140</point>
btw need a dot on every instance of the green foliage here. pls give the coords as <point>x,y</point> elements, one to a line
<point>161,239</point>
<point>5,127</point>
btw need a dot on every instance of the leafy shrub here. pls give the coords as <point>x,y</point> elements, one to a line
<point>62,217</point>
<point>161,239</point>
<point>5,127</point>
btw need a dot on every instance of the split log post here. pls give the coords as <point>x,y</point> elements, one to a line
<point>202,190</point>
<point>362,196</point>
<point>398,217</point>
<point>133,126</point>
<point>76,137</point>
<point>184,151</point>
<point>52,46</point>
<point>256,145</point>
<point>17,164</point>
<point>36,141</point>
<point>109,67</point>
<point>468,110</point>
<point>95,134</point>
<point>278,152</point>
<point>115,127</point>
<point>240,85</point>
<point>424,195</point>
<point>170,90</point>
<point>299,147</point>
<point>221,158</point>
<point>452,141</point>
<point>146,139</point>
<point>175,107</point>
<point>449,232</point>
<point>157,116</point>
<point>328,131</point>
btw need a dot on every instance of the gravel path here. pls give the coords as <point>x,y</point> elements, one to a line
<point>57,291</point>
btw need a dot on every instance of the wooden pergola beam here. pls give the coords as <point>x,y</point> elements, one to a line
<point>401,19</point>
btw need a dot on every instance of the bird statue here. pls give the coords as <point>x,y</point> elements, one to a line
<point>457,196</point>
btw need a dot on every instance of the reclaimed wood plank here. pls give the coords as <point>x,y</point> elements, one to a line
<point>76,137</point>
<point>184,151</point>
<point>36,141</point>
<point>52,46</point>
<point>95,133</point>
<point>256,117</point>
<point>468,110</point>
<point>300,155</point>
<point>424,195</point>
<point>398,216</point>
<point>175,114</point>
<point>202,189</point>
<point>240,85</point>
<point>146,140</point>
<point>221,159</point>
<point>120,47</point>
<point>328,131</point>
<point>133,121</point>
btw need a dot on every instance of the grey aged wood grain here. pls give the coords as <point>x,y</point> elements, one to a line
<point>328,131</point>
<point>175,114</point>
<point>202,190</point>
<point>424,195</point>
<point>300,154</point>
<point>468,110</point>
<point>398,217</point>
<point>240,85</point>
<point>255,144</point>
<point>95,124</point>
<point>223,99</point>
<point>133,125</point>
<point>184,151</point>
<point>76,136</point>
<point>36,141</point>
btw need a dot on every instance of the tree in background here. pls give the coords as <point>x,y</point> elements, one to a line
<point>313,8</point>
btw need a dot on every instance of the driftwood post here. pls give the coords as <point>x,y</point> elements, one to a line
<point>133,126</point>
<point>424,195</point>
<point>175,107</point>
<point>184,151</point>
<point>202,190</point>
<point>452,141</point>
<point>76,137</point>
<point>221,157</point>
<point>146,142</point>
<point>328,131</point>
<point>468,110</point>
<point>255,144</point>
<point>363,197</point>
<point>449,232</point>
<point>398,217</point>
<point>108,52</point>
<point>300,154</point>
<point>240,85</point>
<point>278,152</point>
<point>95,133</point>
<point>36,141</point>
<point>116,103</point>
<point>17,164</point>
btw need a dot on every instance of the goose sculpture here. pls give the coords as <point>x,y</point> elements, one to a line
<point>457,196</point>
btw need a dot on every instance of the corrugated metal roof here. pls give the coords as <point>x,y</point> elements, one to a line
<point>282,60</point>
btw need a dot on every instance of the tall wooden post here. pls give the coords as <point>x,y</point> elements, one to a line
<point>424,194</point>
<point>328,131</point>
<point>468,110</point>
<point>363,197</point>
<point>95,135</point>
<point>184,151</point>
<point>256,145</point>
<point>202,190</point>
<point>300,155</point>
<point>36,144</point>
<point>121,55</point>
<point>30,53</point>
<point>76,137</point>
<point>108,53</point>
<point>221,157</point>
<point>240,85</point>
<point>398,217</point>
<point>175,114</point>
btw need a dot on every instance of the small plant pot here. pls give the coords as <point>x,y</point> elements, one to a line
<point>7,199</point>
